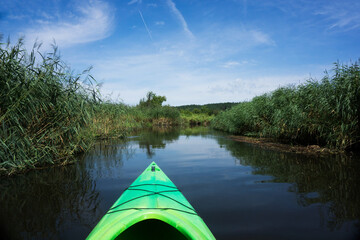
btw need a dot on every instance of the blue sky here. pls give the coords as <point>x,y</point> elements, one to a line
<point>191,51</point>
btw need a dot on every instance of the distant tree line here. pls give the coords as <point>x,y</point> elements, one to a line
<point>210,109</point>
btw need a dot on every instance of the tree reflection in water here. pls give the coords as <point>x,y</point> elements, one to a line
<point>158,137</point>
<point>67,202</point>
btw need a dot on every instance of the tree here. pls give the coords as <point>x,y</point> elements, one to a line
<point>152,100</point>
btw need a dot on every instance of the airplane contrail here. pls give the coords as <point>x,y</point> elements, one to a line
<point>147,29</point>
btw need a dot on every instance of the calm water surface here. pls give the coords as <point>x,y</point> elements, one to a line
<point>241,191</point>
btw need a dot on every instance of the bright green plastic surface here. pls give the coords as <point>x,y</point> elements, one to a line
<point>151,196</point>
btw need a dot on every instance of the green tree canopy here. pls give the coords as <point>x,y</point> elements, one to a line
<point>152,100</point>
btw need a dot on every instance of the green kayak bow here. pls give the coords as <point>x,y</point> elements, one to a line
<point>151,208</point>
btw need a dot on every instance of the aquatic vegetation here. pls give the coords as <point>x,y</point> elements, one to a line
<point>195,119</point>
<point>43,109</point>
<point>325,112</point>
<point>48,113</point>
<point>111,120</point>
<point>153,112</point>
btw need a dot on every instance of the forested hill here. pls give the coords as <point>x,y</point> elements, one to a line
<point>214,107</point>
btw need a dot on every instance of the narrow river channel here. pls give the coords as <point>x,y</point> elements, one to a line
<point>241,191</point>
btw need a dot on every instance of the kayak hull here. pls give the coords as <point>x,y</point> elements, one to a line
<point>151,196</point>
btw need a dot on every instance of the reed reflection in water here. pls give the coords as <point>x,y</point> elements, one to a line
<point>54,203</point>
<point>331,182</point>
<point>240,190</point>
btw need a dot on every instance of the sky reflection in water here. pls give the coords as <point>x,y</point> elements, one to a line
<point>241,191</point>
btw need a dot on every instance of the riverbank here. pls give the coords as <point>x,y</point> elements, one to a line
<point>271,144</point>
<point>196,119</point>
<point>324,113</point>
<point>49,114</point>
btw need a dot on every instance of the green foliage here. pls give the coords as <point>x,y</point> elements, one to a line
<point>196,116</point>
<point>43,107</point>
<point>164,112</point>
<point>152,100</point>
<point>189,118</point>
<point>152,109</point>
<point>210,109</point>
<point>196,111</point>
<point>325,112</point>
<point>114,120</point>
<point>236,120</point>
<point>48,113</point>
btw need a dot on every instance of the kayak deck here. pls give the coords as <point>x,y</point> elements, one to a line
<point>152,196</point>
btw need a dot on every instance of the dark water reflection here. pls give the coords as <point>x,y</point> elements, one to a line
<point>241,191</point>
<point>47,204</point>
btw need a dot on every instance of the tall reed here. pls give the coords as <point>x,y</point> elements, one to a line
<point>325,112</point>
<point>43,108</point>
<point>111,120</point>
<point>48,113</point>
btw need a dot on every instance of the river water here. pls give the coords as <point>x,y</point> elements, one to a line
<point>241,191</point>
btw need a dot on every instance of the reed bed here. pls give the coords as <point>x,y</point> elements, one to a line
<point>195,119</point>
<point>153,112</point>
<point>48,113</point>
<point>114,120</point>
<point>325,113</point>
<point>44,107</point>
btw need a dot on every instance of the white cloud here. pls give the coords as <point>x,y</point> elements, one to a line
<point>260,37</point>
<point>341,15</point>
<point>170,73</point>
<point>94,23</point>
<point>194,87</point>
<point>159,23</point>
<point>185,72</point>
<point>230,64</point>
<point>249,87</point>
<point>119,91</point>
<point>180,18</point>
<point>16,17</point>
<point>229,41</point>
<point>134,1</point>
<point>336,15</point>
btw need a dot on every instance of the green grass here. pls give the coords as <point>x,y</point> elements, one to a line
<point>325,112</point>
